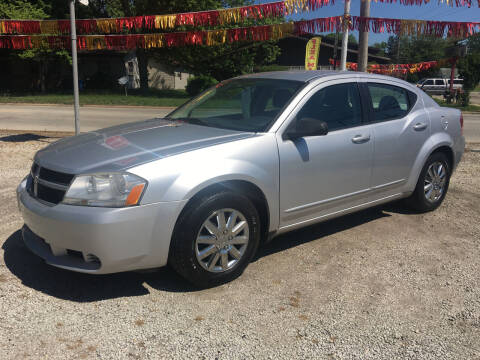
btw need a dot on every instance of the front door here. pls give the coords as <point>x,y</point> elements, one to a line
<point>321,175</point>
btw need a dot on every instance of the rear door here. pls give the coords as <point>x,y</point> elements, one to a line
<point>401,127</point>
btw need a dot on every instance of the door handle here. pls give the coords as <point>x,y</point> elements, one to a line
<point>360,139</point>
<point>419,126</point>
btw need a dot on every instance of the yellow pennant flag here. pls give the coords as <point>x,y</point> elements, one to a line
<point>311,53</point>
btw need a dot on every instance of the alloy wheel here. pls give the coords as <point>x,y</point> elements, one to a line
<point>222,240</point>
<point>435,181</point>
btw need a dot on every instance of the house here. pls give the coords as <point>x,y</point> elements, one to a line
<point>293,52</point>
<point>159,77</point>
<point>96,70</point>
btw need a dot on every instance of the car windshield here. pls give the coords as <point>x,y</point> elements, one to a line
<point>242,104</point>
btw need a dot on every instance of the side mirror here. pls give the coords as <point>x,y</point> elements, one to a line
<point>306,127</point>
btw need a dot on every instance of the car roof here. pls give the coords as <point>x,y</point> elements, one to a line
<point>310,75</point>
<point>298,75</point>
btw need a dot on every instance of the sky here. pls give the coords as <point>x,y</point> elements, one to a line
<point>431,11</point>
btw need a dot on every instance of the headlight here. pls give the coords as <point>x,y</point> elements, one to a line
<point>108,190</point>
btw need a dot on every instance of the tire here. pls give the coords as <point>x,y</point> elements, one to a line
<point>187,249</point>
<point>419,200</point>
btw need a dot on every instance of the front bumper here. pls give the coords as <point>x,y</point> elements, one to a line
<point>98,240</point>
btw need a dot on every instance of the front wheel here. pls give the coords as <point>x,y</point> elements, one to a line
<point>432,184</point>
<point>215,238</point>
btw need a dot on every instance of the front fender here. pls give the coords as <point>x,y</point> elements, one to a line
<point>180,177</point>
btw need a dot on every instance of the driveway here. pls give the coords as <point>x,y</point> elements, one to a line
<point>379,284</point>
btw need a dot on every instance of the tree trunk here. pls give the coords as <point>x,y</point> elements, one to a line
<point>43,76</point>
<point>142,69</point>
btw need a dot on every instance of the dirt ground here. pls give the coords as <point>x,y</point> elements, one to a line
<point>380,284</point>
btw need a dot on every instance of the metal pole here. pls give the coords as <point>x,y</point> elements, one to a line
<point>346,16</point>
<point>73,32</point>
<point>335,51</point>
<point>363,38</point>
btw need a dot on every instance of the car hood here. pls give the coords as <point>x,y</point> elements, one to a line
<point>120,147</point>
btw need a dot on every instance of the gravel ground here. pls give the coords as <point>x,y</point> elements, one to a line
<point>380,284</point>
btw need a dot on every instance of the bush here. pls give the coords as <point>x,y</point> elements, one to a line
<point>464,98</point>
<point>469,70</point>
<point>197,84</point>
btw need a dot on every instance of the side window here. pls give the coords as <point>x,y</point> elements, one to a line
<point>338,105</point>
<point>428,82</point>
<point>390,102</point>
<point>439,82</point>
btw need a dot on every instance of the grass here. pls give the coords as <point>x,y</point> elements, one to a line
<point>135,98</point>
<point>470,108</point>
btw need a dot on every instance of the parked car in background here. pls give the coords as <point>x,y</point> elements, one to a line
<point>439,86</point>
<point>248,159</point>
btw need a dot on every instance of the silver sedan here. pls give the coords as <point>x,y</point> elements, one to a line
<point>248,159</point>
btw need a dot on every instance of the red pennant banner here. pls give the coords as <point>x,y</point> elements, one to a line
<point>391,69</point>
<point>254,33</point>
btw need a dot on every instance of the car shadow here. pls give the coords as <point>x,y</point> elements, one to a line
<point>23,137</point>
<point>78,287</point>
<point>320,230</point>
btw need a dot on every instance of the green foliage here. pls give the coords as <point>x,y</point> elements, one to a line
<point>35,9</point>
<point>135,98</point>
<point>197,84</point>
<point>222,61</point>
<point>273,67</point>
<point>469,70</point>
<point>382,46</point>
<point>473,44</point>
<point>22,9</point>
<point>351,38</point>
<point>415,49</point>
<point>460,105</point>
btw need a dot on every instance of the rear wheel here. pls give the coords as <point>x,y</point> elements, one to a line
<point>432,184</point>
<point>215,238</point>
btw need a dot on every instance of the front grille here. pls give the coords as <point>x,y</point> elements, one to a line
<point>48,185</point>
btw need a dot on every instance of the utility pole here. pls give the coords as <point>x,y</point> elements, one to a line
<point>335,51</point>
<point>363,37</point>
<point>346,17</point>
<point>73,33</point>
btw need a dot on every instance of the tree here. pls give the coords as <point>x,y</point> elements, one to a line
<point>222,61</point>
<point>413,49</point>
<point>469,71</point>
<point>23,9</point>
<point>473,43</point>
<point>382,46</point>
<point>351,38</point>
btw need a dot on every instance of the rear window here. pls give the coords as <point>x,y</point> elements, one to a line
<point>390,102</point>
